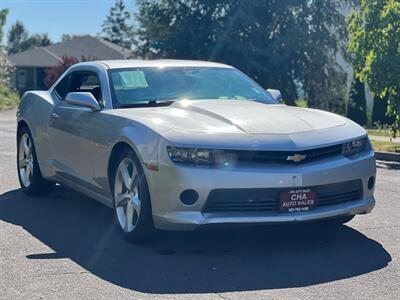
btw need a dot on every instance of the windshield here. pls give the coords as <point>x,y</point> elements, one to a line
<point>140,85</point>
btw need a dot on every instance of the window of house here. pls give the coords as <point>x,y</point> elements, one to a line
<point>22,79</point>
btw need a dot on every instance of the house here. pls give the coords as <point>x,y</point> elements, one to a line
<point>30,65</point>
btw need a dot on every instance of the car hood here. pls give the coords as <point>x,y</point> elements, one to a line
<point>233,117</point>
<point>237,124</point>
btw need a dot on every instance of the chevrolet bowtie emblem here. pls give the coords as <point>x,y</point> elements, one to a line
<point>296,157</point>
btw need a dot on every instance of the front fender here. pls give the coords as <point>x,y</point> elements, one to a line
<point>142,139</point>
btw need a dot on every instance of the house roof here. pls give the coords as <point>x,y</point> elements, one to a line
<point>87,46</point>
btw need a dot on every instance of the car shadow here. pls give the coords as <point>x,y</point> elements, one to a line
<point>219,260</point>
<point>389,165</point>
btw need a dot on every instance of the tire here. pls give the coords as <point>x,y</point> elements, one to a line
<point>131,198</point>
<point>29,175</point>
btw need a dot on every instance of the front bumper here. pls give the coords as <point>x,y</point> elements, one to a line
<point>170,180</point>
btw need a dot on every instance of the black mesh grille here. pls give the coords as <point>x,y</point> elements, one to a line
<point>243,200</point>
<point>248,156</point>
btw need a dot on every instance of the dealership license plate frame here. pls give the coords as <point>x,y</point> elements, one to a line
<point>297,200</point>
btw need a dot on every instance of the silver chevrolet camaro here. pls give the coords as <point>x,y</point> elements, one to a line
<point>175,145</point>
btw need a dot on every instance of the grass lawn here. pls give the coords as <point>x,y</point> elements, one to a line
<point>380,132</point>
<point>8,103</point>
<point>386,146</point>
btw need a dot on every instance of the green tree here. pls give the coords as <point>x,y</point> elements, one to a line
<point>375,49</point>
<point>67,37</point>
<point>289,45</point>
<point>5,65</point>
<point>8,98</point>
<point>3,18</point>
<point>18,39</point>
<point>17,35</point>
<point>117,28</point>
<point>379,113</point>
<point>38,40</point>
<point>357,109</point>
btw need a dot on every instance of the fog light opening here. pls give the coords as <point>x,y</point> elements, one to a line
<point>371,182</point>
<point>189,197</point>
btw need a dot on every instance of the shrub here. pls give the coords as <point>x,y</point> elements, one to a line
<point>8,97</point>
<point>53,73</point>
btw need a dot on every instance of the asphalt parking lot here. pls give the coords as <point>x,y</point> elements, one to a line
<point>66,247</point>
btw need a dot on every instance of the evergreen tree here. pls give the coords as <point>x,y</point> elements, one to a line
<point>116,28</point>
<point>67,37</point>
<point>3,18</point>
<point>17,35</point>
<point>37,40</point>
<point>18,39</point>
<point>357,108</point>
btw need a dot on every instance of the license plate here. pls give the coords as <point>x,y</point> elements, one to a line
<point>297,200</point>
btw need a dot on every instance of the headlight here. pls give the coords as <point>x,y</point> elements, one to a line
<point>194,156</point>
<point>189,155</point>
<point>354,147</point>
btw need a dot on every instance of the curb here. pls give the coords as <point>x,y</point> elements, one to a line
<point>387,156</point>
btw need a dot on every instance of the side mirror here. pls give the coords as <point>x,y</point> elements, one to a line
<point>276,94</point>
<point>83,99</point>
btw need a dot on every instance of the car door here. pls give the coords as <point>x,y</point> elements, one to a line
<point>71,130</point>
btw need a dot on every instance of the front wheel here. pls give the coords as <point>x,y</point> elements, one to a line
<point>131,198</point>
<point>29,175</point>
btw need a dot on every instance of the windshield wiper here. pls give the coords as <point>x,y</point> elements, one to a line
<point>149,103</point>
<point>157,101</point>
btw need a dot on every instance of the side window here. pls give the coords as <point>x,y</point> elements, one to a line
<point>89,82</point>
<point>80,81</point>
<point>62,87</point>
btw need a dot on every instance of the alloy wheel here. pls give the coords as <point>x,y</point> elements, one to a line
<point>25,159</point>
<point>126,195</point>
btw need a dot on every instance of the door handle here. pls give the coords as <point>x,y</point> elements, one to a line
<point>54,116</point>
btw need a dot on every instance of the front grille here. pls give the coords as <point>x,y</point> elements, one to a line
<point>267,199</point>
<point>250,156</point>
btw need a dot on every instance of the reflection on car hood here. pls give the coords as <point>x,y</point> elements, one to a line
<point>232,117</point>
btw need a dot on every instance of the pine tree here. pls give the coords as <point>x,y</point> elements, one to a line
<point>18,39</point>
<point>116,28</point>
<point>17,35</point>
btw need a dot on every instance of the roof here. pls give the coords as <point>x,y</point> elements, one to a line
<point>160,63</point>
<point>87,46</point>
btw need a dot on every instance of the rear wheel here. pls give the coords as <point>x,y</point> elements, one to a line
<point>131,198</point>
<point>29,175</point>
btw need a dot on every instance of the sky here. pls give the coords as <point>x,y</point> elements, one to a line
<point>56,17</point>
